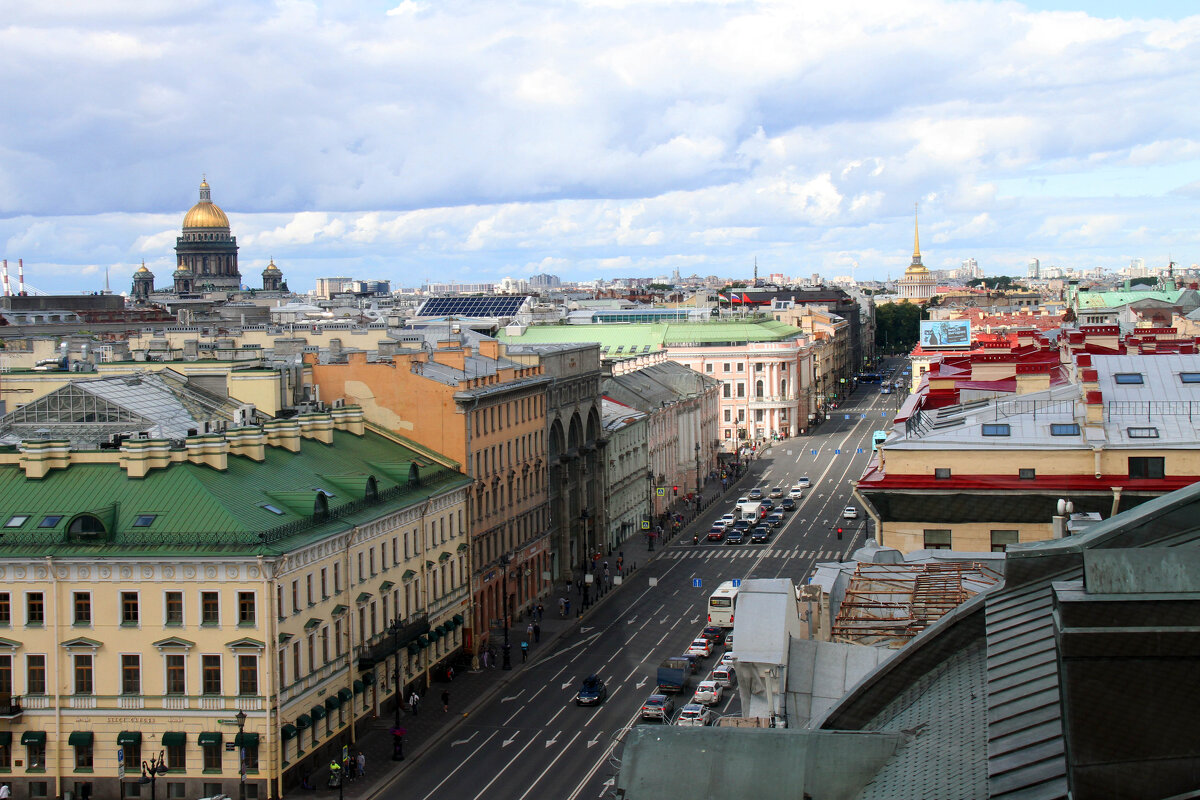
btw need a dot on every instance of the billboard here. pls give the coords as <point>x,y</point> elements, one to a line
<point>946,333</point>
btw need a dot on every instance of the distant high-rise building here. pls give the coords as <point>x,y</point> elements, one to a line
<point>328,287</point>
<point>1035,268</point>
<point>544,282</point>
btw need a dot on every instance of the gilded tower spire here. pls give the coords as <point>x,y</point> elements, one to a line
<point>916,234</point>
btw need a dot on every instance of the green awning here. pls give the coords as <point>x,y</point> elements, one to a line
<point>423,641</point>
<point>312,623</point>
<point>436,633</point>
<point>245,740</point>
<point>429,565</point>
<point>458,619</point>
<point>332,703</point>
<point>462,547</point>
<point>288,731</point>
<point>33,737</point>
<point>386,586</point>
<point>303,721</point>
<point>362,597</point>
<point>338,610</point>
<point>5,738</point>
<point>174,739</point>
<point>129,737</point>
<point>317,712</point>
<point>359,687</point>
<point>209,739</point>
<point>368,678</point>
<point>444,557</point>
<point>344,695</point>
<point>408,575</point>
<point>80,739</point>
<point>413,648</point>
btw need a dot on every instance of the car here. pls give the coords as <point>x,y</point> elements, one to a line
<point>850,512</point>
<point>658,706</point>
<point>724,676</point>
<point>787,504</point>
<point>795,493</point>
<point>742,525</point>
<point>716,533</point>
<point>729,641</point>
<point>728,659</point>
<point>693,662</point>
<point>778,491</point>
<point>707,693</point>
<point>700,647</point>
<point>760,535</point>
<point>885,389</point>
<point>715,634</point>
<point>801,483</point>
<point>735,536</point>
<point>756,493</point>
<point>694,715</point>
<point>726,520</point>
<point>775,519</point>
<point>593,692</point>
<point>768,505</point>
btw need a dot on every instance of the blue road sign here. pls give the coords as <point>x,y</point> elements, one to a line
<point>696,583</point>
<point>884,414</point>
<point>860,451</point>
<point>736,582</point>
<point>862,416</point>
<point>845,416</point>
<point>837,452</point>
<point>814,452</point>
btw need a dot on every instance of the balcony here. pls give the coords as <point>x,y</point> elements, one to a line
<point>10,707</point>
<point>135,702</point>
<point>773,400</point>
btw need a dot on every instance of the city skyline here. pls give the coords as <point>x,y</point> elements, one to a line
<point>412,142</point>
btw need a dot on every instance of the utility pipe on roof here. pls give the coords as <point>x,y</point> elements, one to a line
<point>1116,490</point>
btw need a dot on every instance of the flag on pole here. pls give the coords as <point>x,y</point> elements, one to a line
<point>735,298</point>
<point>745,297</point>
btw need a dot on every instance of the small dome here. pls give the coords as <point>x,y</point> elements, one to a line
<point>271,267</point>
<point>206,213</point>
<point>143,271</point>
<point>182,272</point>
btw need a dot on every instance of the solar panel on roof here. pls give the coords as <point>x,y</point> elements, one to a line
<point>471,306</point>
<point>646,349</point>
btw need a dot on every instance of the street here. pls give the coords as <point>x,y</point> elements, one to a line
<point>531,740</point>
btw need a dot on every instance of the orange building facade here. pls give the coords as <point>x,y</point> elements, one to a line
<point>466,401</point>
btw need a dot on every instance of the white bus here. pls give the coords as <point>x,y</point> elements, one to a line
<point>722,604</point>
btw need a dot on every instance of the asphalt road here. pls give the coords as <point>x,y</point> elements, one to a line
<point>533,742</point>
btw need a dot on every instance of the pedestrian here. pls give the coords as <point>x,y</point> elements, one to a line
<point>524,651</point>
<point>414,702</point>
<point>537,632</point>
<point>360,761</point>
<point>566,607</point>
<point>562,607</point>
<point>5,792</point>
<point>445,702</point>
<point>541,612</point>
<point>485,659</point>
<point>529,631</point>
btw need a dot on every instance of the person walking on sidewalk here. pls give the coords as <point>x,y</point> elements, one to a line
<point>445,701</point>
<point>414,702</point>
<point>360,762</point>
<point>537,633</point>
<point>524,651</point>
<point>529,631</point>
<point>562,607</point>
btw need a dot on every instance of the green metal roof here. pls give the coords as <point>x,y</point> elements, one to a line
<point>1122,298</point>
<point>632,338</point>
<point>198,508</point>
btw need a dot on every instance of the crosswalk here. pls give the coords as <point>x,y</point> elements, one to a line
<point>751,551</point>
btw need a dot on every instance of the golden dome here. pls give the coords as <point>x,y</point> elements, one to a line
<point>143,268</point>
<point>271,267</point>
<point>205,214</point>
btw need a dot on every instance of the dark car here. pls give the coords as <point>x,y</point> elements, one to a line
<point>768,504</point>
<point>593,692</point>
<point>735,536</point>
<point>694,662</point>
<point>775,519</point>
<point>716,534</point>
<point>787,504</point>
<point>760,535</point>
<point>742,525</point>
<point>715,634</point>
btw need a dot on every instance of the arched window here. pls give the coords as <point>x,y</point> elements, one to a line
<point>783,387</point>
<point>86,526</point>
<point>372,491</point>
<point>321,507</point>
<point>758,388</point>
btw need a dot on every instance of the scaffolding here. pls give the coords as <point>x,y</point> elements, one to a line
<point>888,604</point>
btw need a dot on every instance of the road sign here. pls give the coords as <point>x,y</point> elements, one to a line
<point>661,491</point>
<point>814,452</point>
<point>837,452</point>
<point>845,416</point>
<point>736,582</point>
<point>345,752</point>
<point>645,524</point>
<point>860,451</point>
<point>697,583</point>
<point>120,762</point>
<point>862,416</point>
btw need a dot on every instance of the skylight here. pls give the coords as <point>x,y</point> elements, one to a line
<point>997,429</point>
<point>1128,377</point>
<point>16,521</point>
<point>144,520</point>
<point>1142,433</point>
<point>1189,377</point>
<point>1064,429</point>
<point>272,509</point>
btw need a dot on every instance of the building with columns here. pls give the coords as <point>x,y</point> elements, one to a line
<point>205,248</point>
<point>917,285</point>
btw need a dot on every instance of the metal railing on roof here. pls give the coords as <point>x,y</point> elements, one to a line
<point>1152,408</point>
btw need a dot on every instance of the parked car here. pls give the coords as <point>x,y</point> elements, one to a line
<point>658,706</point>
<point>707,693</point>
<point>775,519</point>
<point>724,676</point>
<point>778,491</point>
<point>756,493</point>
<point>700,647</point>
<point>787,504</point>
<point>716,533</point>
<point>760,535</point>
<point>850,512</point>
<point>694,715</point>
<point>735,536</point>
<point>715,634</point>
<point>593,692</point>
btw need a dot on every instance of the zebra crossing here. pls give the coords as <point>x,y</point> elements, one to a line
<point>751,551</point>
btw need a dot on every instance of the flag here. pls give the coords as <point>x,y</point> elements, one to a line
<point>721,297</point>
<point>735,299</point>
<point>745,297</point>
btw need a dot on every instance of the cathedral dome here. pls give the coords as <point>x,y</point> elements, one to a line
<point>206,213</point>
<point>271,268</point>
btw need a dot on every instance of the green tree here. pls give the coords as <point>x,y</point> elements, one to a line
<point>898,325</point>
<point>1147,281</point>
<point>1000,282</point>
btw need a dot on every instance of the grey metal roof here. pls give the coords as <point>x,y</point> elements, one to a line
<point>819,673</point>
<point>650,388</point>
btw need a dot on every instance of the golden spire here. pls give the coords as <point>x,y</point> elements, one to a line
<point>916,234</point>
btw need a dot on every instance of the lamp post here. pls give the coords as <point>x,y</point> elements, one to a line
<point>151,770</point>
<point>588,564</point>
<point>506,648</point>
<point>397,732</point>
<point>241,745</point>
<point>697,474</point>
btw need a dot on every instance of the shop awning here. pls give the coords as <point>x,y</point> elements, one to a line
<point>368,678</point>
<point>332,703</point>
<point>80,739</point>
<point>33,737</point>
<point>458,619</point>
<point>359,687</point>
<point>209,739</point>
<point>129,737</point>
<point>303,721</point>
<point>174,739</point>
<point>288,731</point>
<point>245,740</point>
<point>344,695</point>
<point>317,712</point>
<point>413,648</point>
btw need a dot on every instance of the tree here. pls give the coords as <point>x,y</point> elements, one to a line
<point>898,325</point>
<point>1146,281</point>
<point>1000,282</point>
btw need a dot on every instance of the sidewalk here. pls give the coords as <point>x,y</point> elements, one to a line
<point>469,690</point>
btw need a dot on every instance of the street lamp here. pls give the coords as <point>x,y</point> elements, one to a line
<point>697,473</point>
<point>241,744</point>
<point>151,770</point>
<point>397,731</point>
<point>506,648</point>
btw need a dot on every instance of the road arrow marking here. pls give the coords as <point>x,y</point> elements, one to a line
<point>665,620</point>
<point>642,682</point>
<point>582,629</point>
<point>594,741</point>
<point>695,620</point>
<point>555,739</point>
<point>463,741</point>
<point>631,620</point>
<point>513,697</point>
<point>569,682</point>
<point>509,741</point>
<point>608,784</point>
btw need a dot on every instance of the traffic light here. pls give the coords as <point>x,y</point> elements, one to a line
<point>839,533</point>
<point>675,489</point>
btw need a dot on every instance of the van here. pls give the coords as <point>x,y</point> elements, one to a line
<point>724,676</point>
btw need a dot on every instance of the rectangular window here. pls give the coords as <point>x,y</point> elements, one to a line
<point>708,368</point>
<point>210,674</point>
<point>246,611</point>
<point>6,676</point>
<point>308,590</point>
<point>173,604</point>
<point>176,675</point>
<point>941,473</point>
<point>144,520</point>
<point>361,575</point>
<point>1002,539</point>
<point>129,608</point>
<point>371,560</point>
<point>131,674</point>
<point>1147,467</point>
<point>50,521</point>
<point>937,539</point>
<point>996,429</point>
<point>83,608</point>
<point>1142,433</point>
<point>337,575</point>
<point>741,390</point>
<point>1027,474</point>
<point>725,367</point>
<point>741,367</point>
<point>1128,377</point>
<point>35,609</point>
<point>324,583</point>
<point>726,391</point>
<point>35,674</point>
<point>16,520</point>
<point>248,675</point>
<point>251,759</point>
<point>1189,377</point>
<point>272,509</point>
<point>176,762</point>
<point>210,608</point>
<point>5,608</point>
<point>5,757</point>
<point>295,596</point>
<point>133,755</point>
<point>176,790</point>
<point>36,753</point>
<point>83,756</point>
<point>325,644</point>
<point>212,761</point>
<point>1064,429</point>
<point>83,674</point>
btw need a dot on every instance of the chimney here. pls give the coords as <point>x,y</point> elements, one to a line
<point>316,426</point>
<point>38,458</point>
<point>1095,407</point>
<point>21,276</point>
<point>249,442</point>
<point>489,348</point>
<point>7,293</point>
<point>283,433</point>
<point>208,449</point>
<point>349,419</point>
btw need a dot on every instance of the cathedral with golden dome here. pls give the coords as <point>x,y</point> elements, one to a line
<point>917,285</point>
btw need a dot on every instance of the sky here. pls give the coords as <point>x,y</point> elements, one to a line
<point>459,141</point>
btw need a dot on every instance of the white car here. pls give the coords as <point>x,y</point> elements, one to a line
<point>728,659</point>
<point>850,512</point>
<point>729,641</point>
<point>795,493</point>
<point>726,520</point>
<point>699,647</point>
<point>724,676</point>
<point>694,714</point>
<point>707,693</point>
<point>802,483</point>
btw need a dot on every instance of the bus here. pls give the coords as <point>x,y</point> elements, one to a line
<point>878,438</point>
<point>721,605</point>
